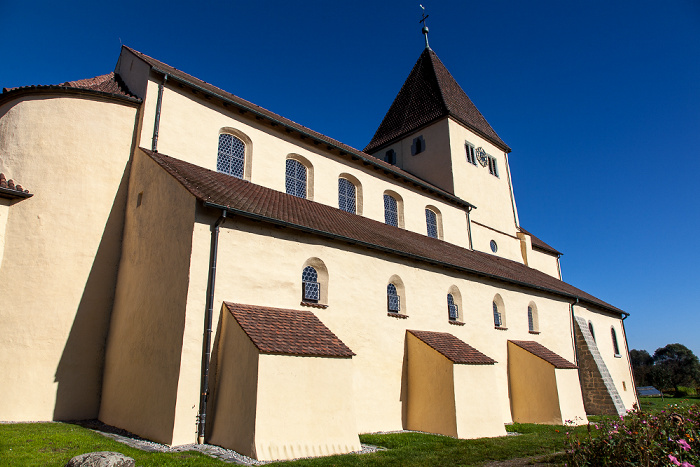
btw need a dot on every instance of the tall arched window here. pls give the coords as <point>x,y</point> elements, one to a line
<point>530,319</point>
<point>346,196</point>
<point>533,320</point>
<point>452,308</point>
<point>311,289</point>
<point>231,155</point>
<point>431,222</point>
<point>616,348</point>
<point>590,328</point>
<point>295,178</point>
<point>497,318</point>
<point>391,210</point>
<point>393,299</point>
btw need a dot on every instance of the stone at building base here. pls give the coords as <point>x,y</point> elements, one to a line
<point>101,459</point>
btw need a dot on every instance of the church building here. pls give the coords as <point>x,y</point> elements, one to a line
<point>186,265</point>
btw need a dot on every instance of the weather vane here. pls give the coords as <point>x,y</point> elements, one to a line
<point>425,27</point>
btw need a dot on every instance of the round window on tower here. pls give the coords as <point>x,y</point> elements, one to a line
<point>494,246</point>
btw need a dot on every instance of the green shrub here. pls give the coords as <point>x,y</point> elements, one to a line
<point>667,438</point>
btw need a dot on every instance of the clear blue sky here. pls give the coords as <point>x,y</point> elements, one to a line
<point>599,100</point>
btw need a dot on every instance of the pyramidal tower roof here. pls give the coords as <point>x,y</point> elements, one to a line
<point>430,93</point>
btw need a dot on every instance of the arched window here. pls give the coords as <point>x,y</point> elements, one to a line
<point>616,348</point>
<point>530,321</point>
<point>452,308</point>
<point>393,299</point>
<point>497,321</point>
<point>231,155</point>
<point>311,288</point>
<point>295,181</point>
<point>391,210</point>
<point>533,322</point>
<point>431,222</point>
<point>590,328</point>
<point>347,196</point>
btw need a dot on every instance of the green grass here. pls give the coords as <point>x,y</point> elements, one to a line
<point>668,402</point>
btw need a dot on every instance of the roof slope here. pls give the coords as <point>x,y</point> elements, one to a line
<point>456,350</point>
<point>287,332</point>
<point>8,189</point>
<point>108,84</point>
<point>430,93</point>
<point>539,244</point>
<point>363,158</point>
<point>545,354</point>
<point>258,202</point>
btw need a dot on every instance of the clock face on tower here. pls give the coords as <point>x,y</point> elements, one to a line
<point>481,156</point>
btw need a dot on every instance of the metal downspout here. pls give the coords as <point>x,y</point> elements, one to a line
<point>469,228</point>
<point>206,345</point>
<point>156,124</point>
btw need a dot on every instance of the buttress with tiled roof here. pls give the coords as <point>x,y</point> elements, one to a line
<point>215,272</point>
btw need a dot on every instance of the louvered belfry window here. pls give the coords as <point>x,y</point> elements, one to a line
<point>391,212</point>
<point>393,299</point>
<point>431,222</point>
<point>452,309</point>
<point>311,289</point>
<point>496,316</point>
<point>346,195</point>
<point>231,156</point>
<point>295,178</point>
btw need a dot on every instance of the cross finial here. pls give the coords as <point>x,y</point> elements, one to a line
<point>425,27</point>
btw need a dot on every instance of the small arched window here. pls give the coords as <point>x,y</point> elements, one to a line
<point>393,299</point>
<point>311,288</point>
<point>530,320</point>
<point>533,320</point>
<point>231,155</point>
<point>295,178</point>
<point>391,210</point>
<point>431,223</point>
<point>497,317</point>
<point>346,196</point>
<point>616,348</point>
<point>590,328</point>
<point>452,308</point>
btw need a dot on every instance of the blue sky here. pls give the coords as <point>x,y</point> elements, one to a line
<point>599,100</point>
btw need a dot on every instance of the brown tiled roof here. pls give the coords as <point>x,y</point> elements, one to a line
<point>539,244</point>
<point>261,203</point>
<point>8,189</point>
<point>287,332</point>
<point>284,124</point>
<point>108,84</point>
<point>539,350</point>
<point>430,93</point>
<point>456,350</point>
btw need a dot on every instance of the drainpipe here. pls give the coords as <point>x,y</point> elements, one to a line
<point>206,346</point>
<point>573,333</point>
<point>629,363</point>
<point>156,124</point>
<point>469,228</point>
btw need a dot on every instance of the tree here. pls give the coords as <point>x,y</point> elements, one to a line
<point>675,365</point>
<point>642,364</point>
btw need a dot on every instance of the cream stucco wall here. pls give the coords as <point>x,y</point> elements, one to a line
<point>4,213</point>
<point>477,418</point>
<point>538,259</point>
<point>149,331</point>
<point>61,251</point>
<point>618,366</point>
<point>508,246</point>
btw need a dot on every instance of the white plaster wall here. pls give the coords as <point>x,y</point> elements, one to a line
<point>475,417</point>
<point>508,246</point>
<point>544,262</point>
<point>61,251</point>
<point>4,213</point>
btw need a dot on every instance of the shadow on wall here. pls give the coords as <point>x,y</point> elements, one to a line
<point>79,371</point>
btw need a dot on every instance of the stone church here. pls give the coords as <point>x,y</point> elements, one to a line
<point>186,265</point>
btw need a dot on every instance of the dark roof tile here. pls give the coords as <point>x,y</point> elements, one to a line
<point>545,354</point>
<point>9,189</point>
<point>456,350</point>
<point>539,244</point>
<point>287,332</point>
<point>109,84</point>
<point>263,203</point>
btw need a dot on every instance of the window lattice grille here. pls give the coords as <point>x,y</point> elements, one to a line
<point>530,319</point>
<point>496,316</point>
<point>431,222</point>
<point>391,214</point>
<point>231,155</point>
<point>452,309</point>
<point>346,195</point>
<point>471,155</point>
<point>311,287</point>
<point>393,299</point>
<point>296,178</point>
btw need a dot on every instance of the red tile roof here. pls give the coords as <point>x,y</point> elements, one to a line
<point>287,332</point>
<point>108,84</point>
<point>540,245</point>
<point>261,203</point>
<point>545,354</point>
<point>283,123</point>
<point>430,93</point>
<point>456,350</point>
<point>8,189</point>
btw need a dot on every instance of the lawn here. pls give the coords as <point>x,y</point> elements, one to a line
<point>53,444</point>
